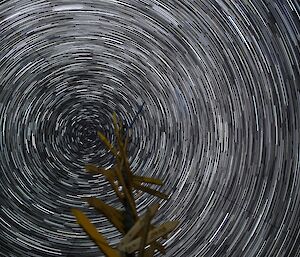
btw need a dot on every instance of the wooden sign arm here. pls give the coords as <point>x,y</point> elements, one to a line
<point>96,236</point>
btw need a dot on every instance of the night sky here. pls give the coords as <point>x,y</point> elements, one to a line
<point>220,83</point>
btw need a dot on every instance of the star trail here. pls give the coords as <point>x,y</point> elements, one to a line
<point>219,82</point>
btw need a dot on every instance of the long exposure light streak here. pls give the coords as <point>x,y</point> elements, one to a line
<point>219,80</point>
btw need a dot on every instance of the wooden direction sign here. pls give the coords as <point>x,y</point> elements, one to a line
<point>138,231</point>
<point>138,226</point>
<point>112,214</point>
<point>97,237</point>
<point>152,236</point>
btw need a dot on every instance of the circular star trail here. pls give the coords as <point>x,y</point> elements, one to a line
<point>220,124</point>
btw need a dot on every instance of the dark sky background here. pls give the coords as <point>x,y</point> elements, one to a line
<point>220,123</point>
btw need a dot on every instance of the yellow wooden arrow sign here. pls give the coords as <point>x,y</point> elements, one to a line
<point>152,236</point>
<point>138,226</point>
<point>139,186</point>
<point>147,180</point>
<point>109,146</point>
<point>117,130</point>
<point>143,232</point>
<point>96,236</point>
<point>112,214</point>
<point>110,175</point>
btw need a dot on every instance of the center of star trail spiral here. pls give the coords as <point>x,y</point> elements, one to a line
<point>220,121</point>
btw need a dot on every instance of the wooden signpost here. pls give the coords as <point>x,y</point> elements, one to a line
<point>137,231</point>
